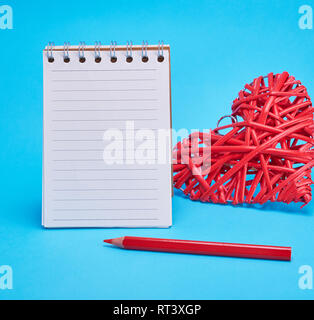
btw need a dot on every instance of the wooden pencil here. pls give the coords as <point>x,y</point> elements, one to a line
<point>203,247</point>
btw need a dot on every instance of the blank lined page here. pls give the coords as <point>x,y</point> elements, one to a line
<point>101,161</point>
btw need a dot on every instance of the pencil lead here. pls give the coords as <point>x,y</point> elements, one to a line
<point>108,240</point>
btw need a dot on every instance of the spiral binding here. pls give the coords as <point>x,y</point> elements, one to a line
<point>160,57</point>
<point>112,49</point>
<point>66,56</point>
<point>129,57</point>
<point>81,52</point>
<point>113,57</point>
<point>97,51</point>
<point>144,51</point>
<point>50,47</point>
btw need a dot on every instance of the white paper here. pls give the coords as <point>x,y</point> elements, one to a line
<point>81,101</point>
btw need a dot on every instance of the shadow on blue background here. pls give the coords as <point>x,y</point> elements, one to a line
<point>216,47</point>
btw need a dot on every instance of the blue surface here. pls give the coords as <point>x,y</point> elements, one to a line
<point>216,47</point>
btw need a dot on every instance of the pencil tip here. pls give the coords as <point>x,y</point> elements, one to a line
<point>108,240</point>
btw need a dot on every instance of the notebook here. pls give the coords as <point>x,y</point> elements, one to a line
<point>107,136</point>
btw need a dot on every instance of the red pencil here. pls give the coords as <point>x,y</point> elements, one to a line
<point>204,247</point>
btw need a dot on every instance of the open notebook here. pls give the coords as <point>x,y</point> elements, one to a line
<point>104,164</point>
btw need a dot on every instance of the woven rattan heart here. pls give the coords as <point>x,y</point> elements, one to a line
<point>266,155</point>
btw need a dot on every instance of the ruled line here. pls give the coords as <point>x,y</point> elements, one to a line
<point>141,219</point>
<point>149,159</point>
<point>108,179</point>
<point>101,70</point>
<point>84,130</point>
<point>100,80</point>
<point>95,110</point>
<point>77,150</point>
<point>95,130</point>
<point>103,90</point>
<point>106,189</point>
<point>106,209</point>
<point>78,140</point>
<point>95,120</point>
<point>111,169</point>
<point>98,140</point>
<point>91,100</point>
<point>56,160</point>
<point>102,149</point>
<point>108,199</point>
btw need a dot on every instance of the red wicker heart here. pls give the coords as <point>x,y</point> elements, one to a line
<point>266,155</point>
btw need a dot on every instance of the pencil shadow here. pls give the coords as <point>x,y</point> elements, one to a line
<point>106,245</point>
<point>291,208</point>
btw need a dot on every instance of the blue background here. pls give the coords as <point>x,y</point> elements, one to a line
<point>216,47</point>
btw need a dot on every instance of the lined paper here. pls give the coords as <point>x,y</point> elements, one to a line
<point>81,102</point>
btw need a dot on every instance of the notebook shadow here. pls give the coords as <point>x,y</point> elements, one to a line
<point>292,208</point>
<point>32,215</point>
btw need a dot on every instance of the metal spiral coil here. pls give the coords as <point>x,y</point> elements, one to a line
<point>129,57</point>
<point>97,51</point>
<point>98,48</point>
<point>50,48</point>
<point>66,56</point>
<point>81,51</point>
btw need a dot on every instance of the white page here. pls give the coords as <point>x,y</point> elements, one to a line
<point>82,101</point>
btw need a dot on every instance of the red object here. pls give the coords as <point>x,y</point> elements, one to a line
<point>266,155</point>
<point>204,247</point>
